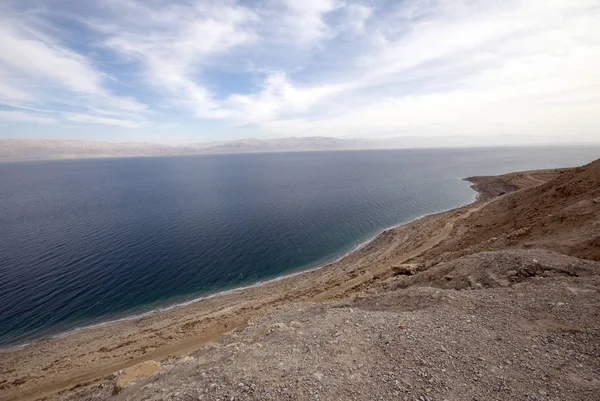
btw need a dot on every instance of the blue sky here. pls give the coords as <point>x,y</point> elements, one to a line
<point>195,71</point>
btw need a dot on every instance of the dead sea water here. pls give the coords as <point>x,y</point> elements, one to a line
<point>84,241</point>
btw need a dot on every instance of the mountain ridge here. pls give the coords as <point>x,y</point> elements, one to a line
<point>49,149</point>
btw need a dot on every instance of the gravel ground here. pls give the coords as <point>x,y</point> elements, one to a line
<point>535,338</point>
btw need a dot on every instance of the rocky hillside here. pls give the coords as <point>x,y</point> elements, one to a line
<point>523,330</point>
<point>562,214</point>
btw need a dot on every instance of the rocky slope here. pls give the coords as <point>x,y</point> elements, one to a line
<point>526,335</point>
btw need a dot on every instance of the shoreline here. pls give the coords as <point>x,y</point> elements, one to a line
<point>84,356</point>
<point>413,255</point>
<point>294,272</point>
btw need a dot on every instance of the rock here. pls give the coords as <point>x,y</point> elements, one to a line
<point>318,376</point>
<point>473,283</point>
<point>278,327</point>
<point>186,359</point>
<point>129,375</point>
<point>405,269</point>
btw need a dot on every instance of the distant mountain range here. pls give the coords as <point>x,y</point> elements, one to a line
<point>43,149</point>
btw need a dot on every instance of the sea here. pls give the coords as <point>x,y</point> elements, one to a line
<point>84,242</point>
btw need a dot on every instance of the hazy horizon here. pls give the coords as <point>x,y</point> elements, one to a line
<point>192,71</point>
<point>440,140</point>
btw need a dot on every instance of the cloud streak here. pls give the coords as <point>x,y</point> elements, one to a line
<point>37,70</point>
<point>341,68</point>
<point>19,116</point>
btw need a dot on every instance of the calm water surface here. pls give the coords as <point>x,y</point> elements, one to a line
<point>83,241</point>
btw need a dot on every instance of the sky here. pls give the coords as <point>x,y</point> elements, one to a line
<point>195,71</point>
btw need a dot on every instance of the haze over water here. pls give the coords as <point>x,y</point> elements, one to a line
<point>84,241</point>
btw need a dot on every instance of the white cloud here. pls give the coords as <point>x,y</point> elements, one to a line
<point>329,67</point>
<point>19,116</point>
<point>31,56</point>
<point>534,95</point>
<point>480,68</point>
<point>173,41</point>
<point>303,20</point>
<point>94,119</point>
<point>356,17</point>
<point>278,97</point>
<point>36,69</point>
<point>12,91</point>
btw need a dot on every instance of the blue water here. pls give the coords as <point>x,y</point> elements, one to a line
<point>83,241</point>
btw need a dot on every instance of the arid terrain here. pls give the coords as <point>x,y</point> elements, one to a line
<point>497,300</point>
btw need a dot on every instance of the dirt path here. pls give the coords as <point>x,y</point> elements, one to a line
<point>180,348</point>
<point>430,243</point>
<point>532,178</point>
